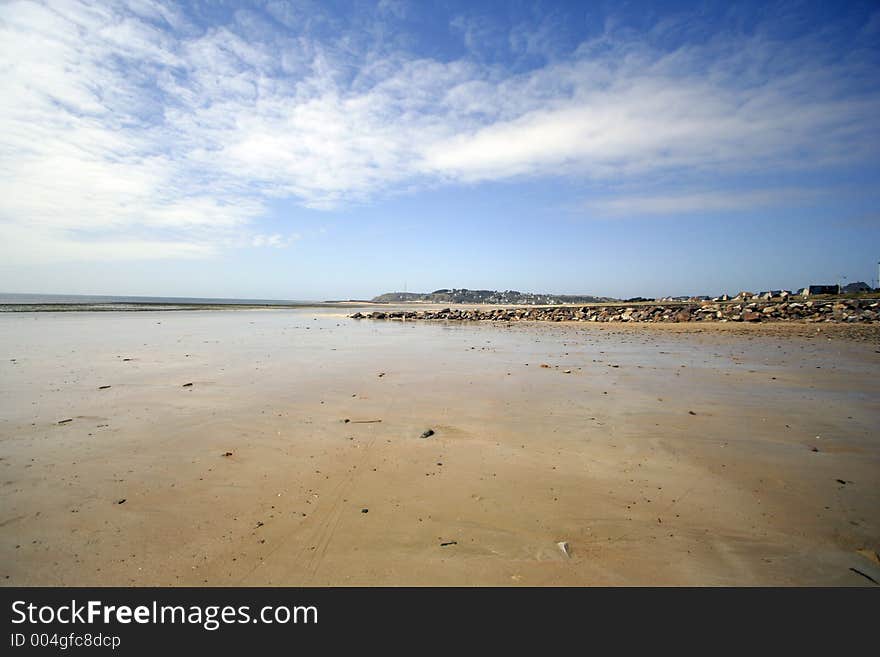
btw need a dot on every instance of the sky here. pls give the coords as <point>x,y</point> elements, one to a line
<point>326,150</point>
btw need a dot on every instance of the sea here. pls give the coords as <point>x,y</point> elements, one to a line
<point>15,302</point>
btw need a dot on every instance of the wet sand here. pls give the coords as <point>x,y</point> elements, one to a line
<point>667,456</point>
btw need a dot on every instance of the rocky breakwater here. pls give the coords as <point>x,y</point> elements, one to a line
<point>845,311</point>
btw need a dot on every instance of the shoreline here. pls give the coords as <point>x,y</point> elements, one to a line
<point>146,306</point>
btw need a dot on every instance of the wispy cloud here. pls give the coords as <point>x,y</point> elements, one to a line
<point>127,129</point>
<point>696,202</point>
<point>275,240</point>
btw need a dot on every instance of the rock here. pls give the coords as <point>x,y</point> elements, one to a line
<point>563,547</point>
<point>747,307</point>
<point>691,413</point>
<point>365,510</point>
<point>449,543</point>
<point>103,387</point>
<point>567,372</point>
<point>427,434</point>
<point>70,419</point>
<point>227,453</point>
<point>122,501</point>
<point>187,385</point>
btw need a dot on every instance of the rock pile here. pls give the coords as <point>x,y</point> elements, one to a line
<point>849,310</point>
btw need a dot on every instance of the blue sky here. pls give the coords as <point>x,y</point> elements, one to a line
<point>310,150</point>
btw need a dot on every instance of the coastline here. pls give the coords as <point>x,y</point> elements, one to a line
<point>147,306</point>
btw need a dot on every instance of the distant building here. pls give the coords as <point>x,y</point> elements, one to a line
<point>821,289</point>
<point>856,287</point>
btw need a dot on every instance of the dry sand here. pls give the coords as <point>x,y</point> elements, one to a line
<point>137,489</point>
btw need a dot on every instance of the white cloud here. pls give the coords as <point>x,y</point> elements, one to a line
<point>36,245</point>
<point>624,205</point>
<point>126,129</point>
<point>276,240</point>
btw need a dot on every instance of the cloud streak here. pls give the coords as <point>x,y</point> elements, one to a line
<point>701,202</point>
<point>128,129</point>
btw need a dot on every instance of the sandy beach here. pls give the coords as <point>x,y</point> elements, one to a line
<point>658,454</point>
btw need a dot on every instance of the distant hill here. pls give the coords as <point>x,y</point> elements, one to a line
<point>507,297</point>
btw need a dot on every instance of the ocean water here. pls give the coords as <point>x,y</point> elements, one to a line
<point>13,302</point>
